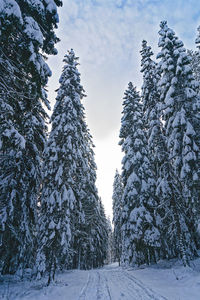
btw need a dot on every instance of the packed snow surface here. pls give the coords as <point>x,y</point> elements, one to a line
<point>166,280</point>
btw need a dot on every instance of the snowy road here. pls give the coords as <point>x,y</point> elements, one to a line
<point>108,283</point>
<point>168,280</point>
<point>114,284</point>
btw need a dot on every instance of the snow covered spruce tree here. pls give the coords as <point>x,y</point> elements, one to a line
<point>117,212</point>
<point>151,107</point>
<point>27,31</point>
<point>179,98</point>
<point>156,141</point>
<point>164,212</point>
<point>140,237</point>
<point>71,221</point>
<point>168,189</point>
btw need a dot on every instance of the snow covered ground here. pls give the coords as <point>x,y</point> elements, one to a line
<point>167,280</point>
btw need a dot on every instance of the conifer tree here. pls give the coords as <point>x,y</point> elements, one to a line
<point>64,164</point>
<point>178,93</point>
<point>27,31</point>
<point>179,98</point>
<point>71,217</point>
<point>158,154</point>
<point>117,212</point>
<point>151,106</point>
<point>140,237</point>
<point>156,140</point>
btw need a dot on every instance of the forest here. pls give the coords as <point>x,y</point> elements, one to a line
<point>51,215</point>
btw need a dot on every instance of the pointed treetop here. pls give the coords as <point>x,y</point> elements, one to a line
<point>169,42</point>
<point>163,24</point>
<point>70,58</point>
<point>131,92</point>
<point>146,49</point>
<point>146,54</point>
<point>70,75</point>
<point>130,85</point>
<point>116,172</point>
<point>131,88</point>
<point>117,175</point>
<point>144,44</point>
<point>167,35</point>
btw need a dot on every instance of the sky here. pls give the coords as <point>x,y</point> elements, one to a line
<point>106,35</point>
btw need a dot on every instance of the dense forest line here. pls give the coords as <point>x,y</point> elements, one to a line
<point>156,198</point>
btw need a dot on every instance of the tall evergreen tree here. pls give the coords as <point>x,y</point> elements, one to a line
<point>165,210</point>
<point>27,31</point>
<point>178,94</point>
<point>71,216</point>
<point>155,136</point>
<point>64,163</point>
<point>140,237</point>
<point>151,106</point>
<point>117,212</point>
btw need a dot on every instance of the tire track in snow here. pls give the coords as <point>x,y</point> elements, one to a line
<point>103,292</point>
<point>124,286</point>
<point>120,288</point>
<point>106,280</point>
<point>153,295</point>
<point>96,287</point>
<point>82,295</point>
